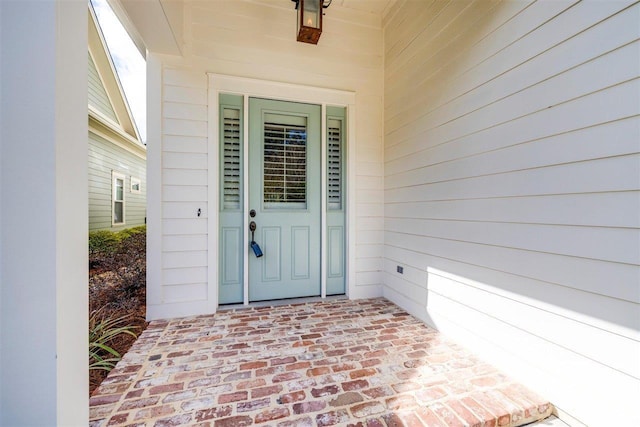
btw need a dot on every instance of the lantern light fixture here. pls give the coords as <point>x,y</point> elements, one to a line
<point>309,19</point>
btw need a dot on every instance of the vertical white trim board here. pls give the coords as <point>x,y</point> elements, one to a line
<point>323,202</point>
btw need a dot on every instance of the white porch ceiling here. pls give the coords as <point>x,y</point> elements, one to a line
<point>154,25</point>
<point>380,7</point>
<point>157,25</point>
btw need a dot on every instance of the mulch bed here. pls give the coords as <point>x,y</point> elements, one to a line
<point>107,296</point>
<point>117,288</point>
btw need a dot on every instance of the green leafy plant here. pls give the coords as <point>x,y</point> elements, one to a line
<point>128,232</point>
<point>103,241</point>
<point>102,332</point>
<point>102,245</point>
<point>115,250</point>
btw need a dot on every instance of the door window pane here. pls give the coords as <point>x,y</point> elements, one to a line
<point>285,163</point>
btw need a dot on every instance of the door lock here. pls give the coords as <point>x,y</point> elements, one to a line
<point>254,246</point>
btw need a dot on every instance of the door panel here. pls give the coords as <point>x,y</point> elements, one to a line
<point>271,270</point>
<point>335,252</point>
<point>284,190</point>
<point>231,180</point>
<point>231,260</point>
<point>300,252</point>
<point>336,188</point>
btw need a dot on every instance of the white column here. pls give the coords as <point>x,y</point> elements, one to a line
<point>154,183</point>
<point>43,212</point>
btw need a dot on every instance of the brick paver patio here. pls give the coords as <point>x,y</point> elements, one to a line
<point>361,363</point>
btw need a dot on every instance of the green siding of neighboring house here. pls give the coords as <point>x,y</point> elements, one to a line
<point>98,98</point>
<point>105,157</point>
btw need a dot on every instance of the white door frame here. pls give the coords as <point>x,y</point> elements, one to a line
<point>246,87</point>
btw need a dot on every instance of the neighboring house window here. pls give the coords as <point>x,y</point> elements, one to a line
<point>135,185</point>
<point>118,180</point>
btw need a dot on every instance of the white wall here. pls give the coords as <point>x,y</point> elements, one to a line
<point>256,40</point>
<point>511,189</point>
<point>43,233</point>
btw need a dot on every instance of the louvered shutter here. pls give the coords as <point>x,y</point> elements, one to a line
<point>231,159</point>
<point>334,164</point>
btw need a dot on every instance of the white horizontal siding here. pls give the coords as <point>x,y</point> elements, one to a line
<point>187,226</point>
<point>184,111</point>
<point>184,94</point>
<point>447,142</point>
<point>598,175</point>
<point>588,209</point>
<point>178,276</point>
<point>595,276</point>
<point>183,175</point>
<point>575,146</point>
<point>619,245</point>
<point>185,243</point>
<point>185,293</point>
<point>512,178</point>
<point>182,210</point>
<point>257,40</point>
<point>182,259</point>
<point>614,351</point>
<point>171,160</point>
<point>238,33</point>
<point>368,194</point>
<point>612,314</point>
<point>185,144</point>
<point>184,193</point>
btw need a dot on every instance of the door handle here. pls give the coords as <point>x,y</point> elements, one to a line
<point>254,246</point>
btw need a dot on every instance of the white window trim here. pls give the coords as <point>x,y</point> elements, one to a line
<point>117,175</point>
<point>135,180</point>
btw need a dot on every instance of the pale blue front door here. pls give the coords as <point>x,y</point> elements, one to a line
<point>284,196</point>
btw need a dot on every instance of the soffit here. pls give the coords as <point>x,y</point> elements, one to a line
<point>157,25</point>
<point>380,7</point>
<point>154,25</point>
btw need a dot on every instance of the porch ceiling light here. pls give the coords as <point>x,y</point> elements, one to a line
<point>309,18</point>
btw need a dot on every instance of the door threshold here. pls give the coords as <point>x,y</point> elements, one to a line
<point>281,302</point>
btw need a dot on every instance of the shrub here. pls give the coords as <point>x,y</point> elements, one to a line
<point>106,247</point>
<point>102,244</point>
<point>102,240</point>
<point>103,331</point>
<point>122,266</point>
<point>129,263</point>
<point>128,232</point>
